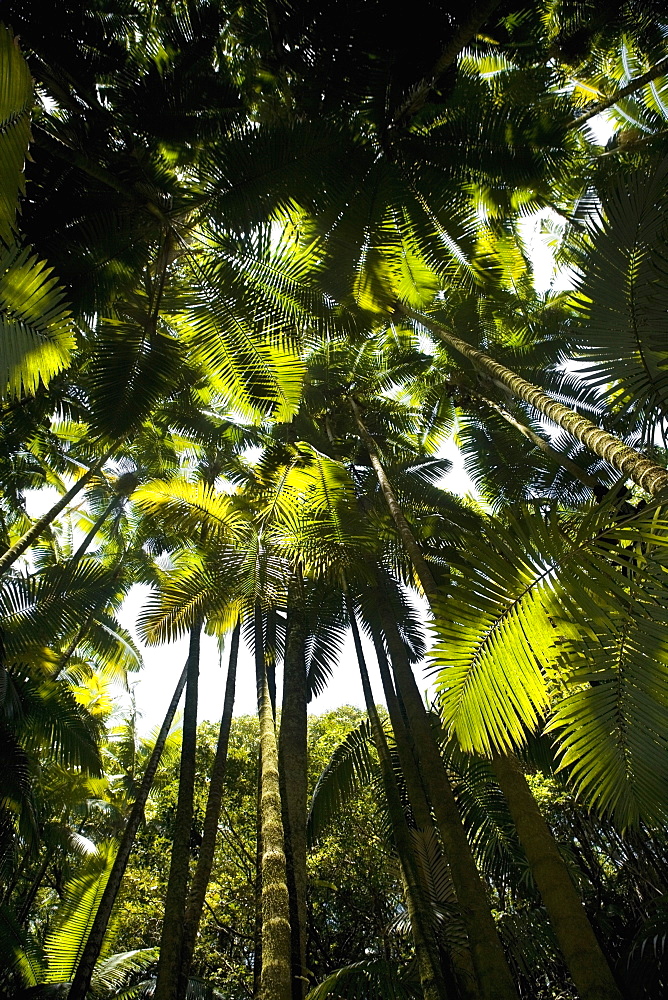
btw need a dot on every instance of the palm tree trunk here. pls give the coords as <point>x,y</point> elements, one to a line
<point>494,977</point>
<point>80,552</point>
<point>257,930</point>
<point>647,474</point>
<point>584,958</point>
<point>275,973</point>
<point>171,940</point>
<point>420,565</point>
<point>9,557</point>
<point>84,971</point>
<point>292,762</point>
<point>426,951</point>
<point>461,959</point>
<point>214,803</point>
<point>555,456</point>
<point>659,68</point>
<point>493,974</point>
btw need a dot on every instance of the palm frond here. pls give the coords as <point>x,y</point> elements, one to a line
<point>35,324</point>
<point>350,767</point>
<point>16,99</point>
<point>368,980</point>
<point>65,942</point>
<point>622,300</point>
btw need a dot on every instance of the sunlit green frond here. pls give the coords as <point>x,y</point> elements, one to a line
<point>494,636</point>
<point>195,508</point>
<point>611,728</point>
<point>192,591</point>
<point>49,720</point>
<point>111,974</point>
<point>16,100</point>
<point>314,515</point>
<point>64,943</point>
<point>35,324</point>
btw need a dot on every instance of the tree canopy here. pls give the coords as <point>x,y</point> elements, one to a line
<point>258,263</point>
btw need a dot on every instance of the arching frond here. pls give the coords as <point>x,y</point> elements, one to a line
<point>622,300</point>
<point>369,980</point>
<point>64,943</point>
<point>350,767</point>
<point>16,100</point>
<point>35,324</point>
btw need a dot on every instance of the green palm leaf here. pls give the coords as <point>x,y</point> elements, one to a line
<point>35,324</point>
<point>16,100</point>
<point>368,980</point>
<point>622,298</point>
<point>64,943</point>
<point>350,767</point>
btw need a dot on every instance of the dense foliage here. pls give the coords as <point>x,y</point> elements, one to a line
<point>258,262</point>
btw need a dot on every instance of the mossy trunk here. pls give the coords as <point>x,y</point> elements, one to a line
<point>275,971</point>
<point>171,939</point>
<point>582,953</point>
<point>459,957</point>
<point>91,952</point>
<point>426,950</point>
<point>214,803</point>
<point>647,474</point>
<point>292,760</point>
<point>494,978</point>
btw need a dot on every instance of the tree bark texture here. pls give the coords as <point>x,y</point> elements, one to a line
<point>647,474</point>
<point>171,939</point>
<point>460,958</point>
<point>275,972</point>
<point>426,950</point>
<point>292,761</point>
<point>494,978</point>
<point>200,880</point>
<point>583,955</point>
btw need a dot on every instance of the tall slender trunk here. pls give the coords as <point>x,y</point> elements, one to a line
<point>647,474</point>
<point>460,957</point>
<point>275,973</point>
<point>257,928</point>
<point>420,565</point>
<point>426,950</point>
<point>292,761</point>
<point>659,68</point>
<point>95,527</point>
<point>84,971</point>
<point>171,939</point>
<point>200,880</point>
<point>9,557</point>
<point>33,888</point>
<point>480,928</point>
<point>538,442</point>
<point>493,974</point>
<point>494,977</point>
<point>585,959</point>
